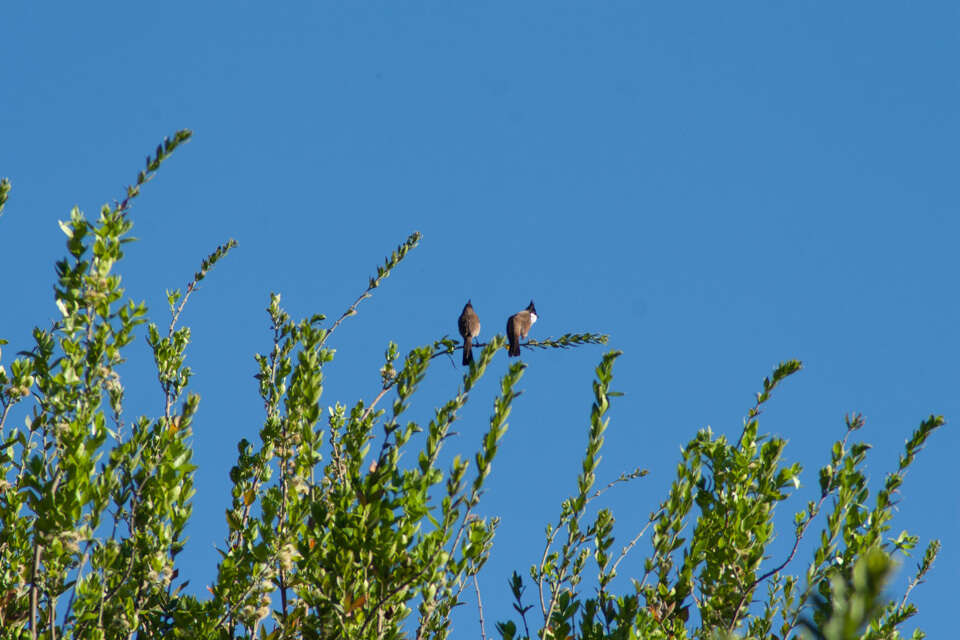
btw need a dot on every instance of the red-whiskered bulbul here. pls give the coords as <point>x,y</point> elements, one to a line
<point>469,326</point>
<point>518,326</point>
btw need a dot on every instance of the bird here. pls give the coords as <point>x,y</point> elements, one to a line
<point>518,326</point>
<point>469,326</point>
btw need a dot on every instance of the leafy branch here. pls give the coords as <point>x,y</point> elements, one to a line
<point>4,192</point>
<point>383,272</point>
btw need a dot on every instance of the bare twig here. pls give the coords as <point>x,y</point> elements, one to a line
<point>476,586</point>
<point>379,397</point>
<point>3,416</point>
<point>623,477</point>
<point>351,310</point>
<point>382,272</point>
<point>654,515</point>
<point>922,570</point>
<point>632,543</point>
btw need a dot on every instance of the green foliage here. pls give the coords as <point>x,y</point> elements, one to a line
<point>326,536</point>
<point>342,522</point>
<point>94,546</point>
<point>854,599</point>
<point>4,192</point>
<point>706,585</point>
<point>347,547</point>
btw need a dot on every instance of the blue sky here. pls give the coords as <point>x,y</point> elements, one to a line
<point>718,186</point>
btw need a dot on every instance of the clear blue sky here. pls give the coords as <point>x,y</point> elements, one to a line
<point>718,186</point>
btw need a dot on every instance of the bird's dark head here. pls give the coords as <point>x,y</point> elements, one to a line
<point>531,308</point>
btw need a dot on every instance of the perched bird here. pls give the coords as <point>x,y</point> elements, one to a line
<point>518,326</point>
<point>469,326</point>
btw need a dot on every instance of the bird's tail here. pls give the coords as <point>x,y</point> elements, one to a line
<point>514,349</point>
<point>467,350</point>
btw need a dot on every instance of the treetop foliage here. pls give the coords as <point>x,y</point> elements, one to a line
<point>330,536</point>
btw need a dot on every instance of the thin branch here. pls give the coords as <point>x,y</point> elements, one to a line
<point>914,582</point>
<point>37,553</point>
<point>623,477</point>
<point>543,561</point>
<point>379,397</point>
<point>351,310</point>
<point>281,519</point>
<point>476,586</point>
<point>3,416</point>
<point>626,549</point>
<point>800,532</point>
<point>565,341</point>
<point>176,314</point>
<point>922,570</point>
<point>423,571</point>
<point>382,272</point>
<point>73,592</point>
<point>270,410</point>
<point>654,515</point>
<point>227,615</point>
<point>205,265</point>
<point>51,618</point>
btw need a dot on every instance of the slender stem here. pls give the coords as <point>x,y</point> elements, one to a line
<point>51,616</point>
<point>476,586</point>
<point>543,561</point>
<point>626,549</point>
<point>176,314</point>
<point>403,585</point>
<point>624,477</point>
<point>3,416</point>
<point>748,592</point>
<point>918,578</point>
<point>37,552</point>
<point>73,592</point>
<point>379,397</point>
<point>281,519</point>
<point>351,310</point>
<point>393,382</point>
